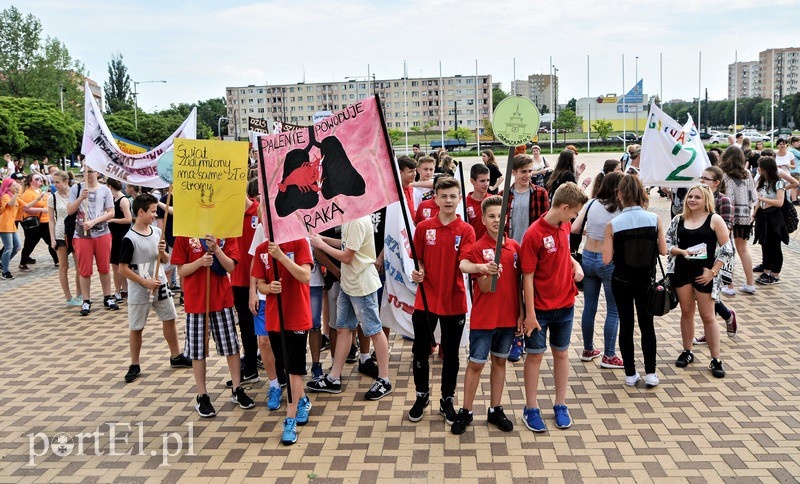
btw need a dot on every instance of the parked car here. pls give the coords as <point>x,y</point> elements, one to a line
<point>719,138</point>
<point>629,137</point>
<point>780,133</point>
<point>754,135</point>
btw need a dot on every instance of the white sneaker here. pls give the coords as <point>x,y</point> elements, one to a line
<point>651,379</point>
<point>631,380</point>
<point>728,291</point>
<point>748,289</point>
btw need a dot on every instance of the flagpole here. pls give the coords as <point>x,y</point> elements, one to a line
<point>772,99</point>
<point>552,103</point>
<point>441,103</point>
<point>275,274</point>
<point>735,90</point>
<point>466,214</point>
<point>403,209</point>
<point>699,89</point>
<point>661,76</point>
<point>477,110</point>
<point>405,100</point>
<point>624,109</point>
<point>588,109</point>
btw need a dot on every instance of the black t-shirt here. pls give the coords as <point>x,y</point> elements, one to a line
<point>334,233</point>
<point>167,226</point>
<point>564,178</point>
<point>494,175</point>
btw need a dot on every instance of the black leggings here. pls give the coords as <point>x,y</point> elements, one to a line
<point>32,237</point>
<point>241,300</point>
<point>627,295</point>
<point>770,250</point>
<point>452,329</point>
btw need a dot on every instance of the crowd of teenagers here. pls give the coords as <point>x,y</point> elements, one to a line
<point>556,238</point>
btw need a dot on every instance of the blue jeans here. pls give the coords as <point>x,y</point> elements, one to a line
<point>11,245</point>
<point>354,310</point>
<point>316,307</point>
<point>557,322</point>
<point>596,273</point>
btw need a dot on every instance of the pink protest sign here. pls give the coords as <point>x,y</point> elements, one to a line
<point>321,176</point>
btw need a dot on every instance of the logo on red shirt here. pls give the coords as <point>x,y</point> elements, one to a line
<point>430,235</point>
<point>195,244</point>
<point>488,254</point>
<point>549,244</point>
<point>471,212</point>
<point>458,242</point>
<point>265,260</point>
<point>426,212</point>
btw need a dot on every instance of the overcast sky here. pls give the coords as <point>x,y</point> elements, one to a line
<point>200,47</point>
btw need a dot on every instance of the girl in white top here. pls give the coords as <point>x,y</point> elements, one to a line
<point>57,207</point>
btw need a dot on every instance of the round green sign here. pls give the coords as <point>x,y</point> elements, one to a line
<point>516,120</point>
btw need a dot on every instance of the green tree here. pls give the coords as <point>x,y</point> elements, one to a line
<point>425,127</point>
<point>498,95</point>
<point>395,135</point>
<point>118,86</point>
<point>488,130</point>
<point>12,139</point>
<point>49,131</point>
<point>602,128</point>
<point>572,104</point>
<point>460,133</point>
<point>36,67</point>
<point>567,121</point>
<point>544,109</point>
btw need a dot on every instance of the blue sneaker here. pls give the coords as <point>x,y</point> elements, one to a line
<point>303,407</point>
<point>274,398</point>
<point>289,432</point>
<point>533,419</point>
<point>563,420</point>
<point>316,371</point>
<point>516,350</point>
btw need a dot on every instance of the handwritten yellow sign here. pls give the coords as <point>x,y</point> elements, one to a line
<point>209,187</point>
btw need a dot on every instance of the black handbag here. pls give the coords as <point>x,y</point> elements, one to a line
<point>789,215</point>
<point>661,298</point>
<point>29,223</point>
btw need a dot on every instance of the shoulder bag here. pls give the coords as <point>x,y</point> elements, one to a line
<point>662,297</point>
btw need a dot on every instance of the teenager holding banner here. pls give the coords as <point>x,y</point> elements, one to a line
<point>692,238</point>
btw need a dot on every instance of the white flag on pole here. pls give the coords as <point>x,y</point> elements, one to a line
<point>399,292</point>
<point>672,155</point>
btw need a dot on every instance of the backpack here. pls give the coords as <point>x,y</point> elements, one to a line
<point>69,220</point>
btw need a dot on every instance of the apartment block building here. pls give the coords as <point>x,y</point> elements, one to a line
<point>744,79</point>
<point>539,88</point>
<point>467,99</point>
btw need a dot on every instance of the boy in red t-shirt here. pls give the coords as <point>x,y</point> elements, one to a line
<point>293,260</point>
<point>479,177</point>
<point>194,257</point>
<point>495,315</point>
<point>550,274</point>
<point>441,243</point>
<point>426,211</point>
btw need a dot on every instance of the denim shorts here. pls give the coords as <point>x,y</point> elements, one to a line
<point>559,323</point>
<point>316,307</point>
<point>495,341</point>
<point>259,323</point>
<point>352,310</point>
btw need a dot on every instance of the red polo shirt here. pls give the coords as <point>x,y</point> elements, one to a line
<point>426,211</point>
<point>188,250</point>
<point>240,277</point>
<point>441,248</point>
<point>474,216</point>
<point>409,193</point>
<point>295,296</point>
<point>499,309</point>
<point>545,253</point>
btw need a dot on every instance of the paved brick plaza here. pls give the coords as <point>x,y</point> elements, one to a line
<point>62,374</point>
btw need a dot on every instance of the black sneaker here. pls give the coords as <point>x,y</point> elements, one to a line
<point>499,419</point>
<point>446,410</point>
<point>239,397</point>
<point>418,409</point>
<point>716,368</point>
<point>379,389</point>
<point>204,407</point>
<point>245,379</point>
<point>124,294</point>
<point>7,275</point>
<point>763,279</point>
<point>463,419</point>
<point>369,368</point>
<point>133,373</point>
<point>259,363</point>
<point>352,357</point>
<point>684,359</point>
<point>180,361</point>
<point>758,268</point>
<point>110,304</point>
<point>24,268</point>
<point>769,280</point>
<point>325,385</point>
<point>118,298</point>
<point>180,300</point>
<point>326,343</point>
<point>86,308</point>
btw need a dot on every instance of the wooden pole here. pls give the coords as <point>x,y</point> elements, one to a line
<point>208,305</point>
<point>503,213</point>
<point>163,232</point>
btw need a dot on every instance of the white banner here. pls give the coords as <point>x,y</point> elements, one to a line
<point>399,292</point>
<point>103,154</point>
<point>672,155</point>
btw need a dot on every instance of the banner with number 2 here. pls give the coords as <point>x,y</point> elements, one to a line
<point>672,155</point>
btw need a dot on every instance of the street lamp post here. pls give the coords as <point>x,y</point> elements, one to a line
<point>136,101</point>
<point>219,121</point>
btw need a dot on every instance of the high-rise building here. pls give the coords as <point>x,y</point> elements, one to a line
<point>539,88</point>
<point>780,70</point>
<point>744,79</point>
<point>465,98</point>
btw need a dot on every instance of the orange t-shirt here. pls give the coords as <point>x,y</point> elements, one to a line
<point>8,214</point>
<point>30,195</point>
